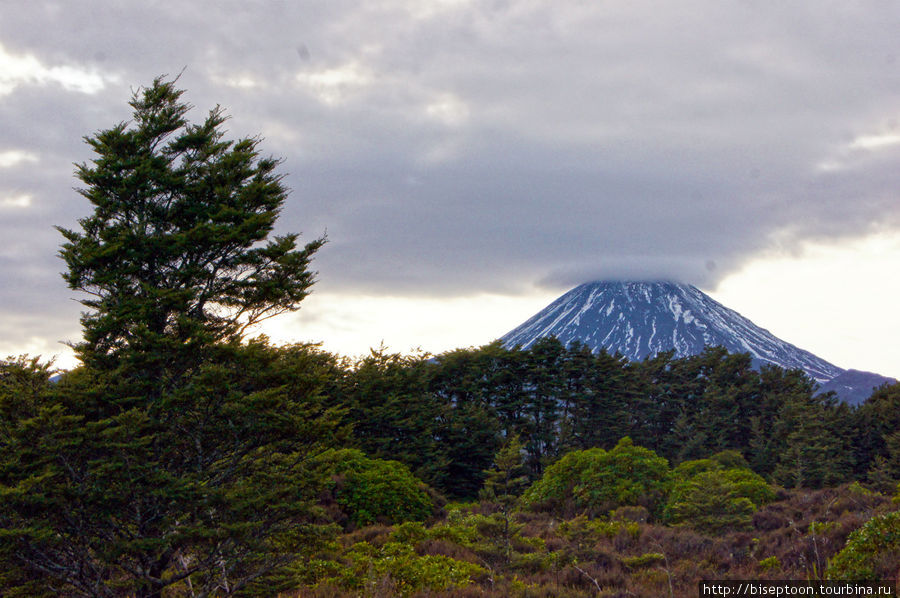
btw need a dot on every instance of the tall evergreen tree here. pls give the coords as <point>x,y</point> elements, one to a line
<point>502,486</point>
<point>177,455</point>
<point>545,388</point>
<point>393,414</point>
<point>469,427</point>
<point>665,390</point>
<point>876,423</point>
<point>175,256</point>
<point>600,411</point>
<point>813,449</point>
<point>778,389</point>
<point>729,399</point>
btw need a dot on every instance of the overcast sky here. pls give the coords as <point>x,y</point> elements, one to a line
<point>471,160</point>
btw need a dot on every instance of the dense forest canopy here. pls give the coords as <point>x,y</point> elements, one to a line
<point>446,415</point>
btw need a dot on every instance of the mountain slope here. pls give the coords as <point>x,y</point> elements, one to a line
<point>639,319</point>
<point>854,387</point>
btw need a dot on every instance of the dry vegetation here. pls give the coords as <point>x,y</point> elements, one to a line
<point>624,556</point>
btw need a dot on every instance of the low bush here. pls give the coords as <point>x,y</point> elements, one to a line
<point>376,490</point>
<point>394,568</point>
<point>872,552</point>
<point>595,481</point>
<point>712,499</point>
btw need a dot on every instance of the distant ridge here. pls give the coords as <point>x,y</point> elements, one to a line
<point>641,319</point>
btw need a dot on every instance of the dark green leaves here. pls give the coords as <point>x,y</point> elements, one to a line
<point>175,253</point>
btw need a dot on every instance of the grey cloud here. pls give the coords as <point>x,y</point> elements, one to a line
<point>486,146</point>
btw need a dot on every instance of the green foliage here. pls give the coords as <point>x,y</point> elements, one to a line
<point>769,564</point>
<point>876,444</point>
<point>178,453</point>
<point>445,417</point>
<point>504,482</point>
<point>496,541</point>
<point>23,382</point>
<point>181,457</point>
<point>586,532</point>
<point>502,486</point>
<point>597,481</point>
<point>218,469</point>
<point>630,513</point>
<point>599,389</point>
<point>771,422</point>
<point>885,471</point>
<point>688,469</point>
<point>459,529</point>
<point>556,488</point>
<point>627,475</point>
<point>393,567</point>
<point>173,255</point>
<point>696,405</point>
<point>820,528</point>
<point>461,382</point>
<point>859,489</point>
<point>409,532</point>
<point>731,459</point>
<point>814,451</point>
<point>645,560</point>
<point>872,552</point>
<point>712,499</point>
<point>376,490</point>
<point>573,557</point>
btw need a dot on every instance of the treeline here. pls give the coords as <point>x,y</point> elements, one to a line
<point>446,416</point>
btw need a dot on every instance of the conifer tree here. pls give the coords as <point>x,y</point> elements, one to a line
<point>178,456</point>
<point>502,486</point>
<point>813,453</point>
<point>172,256</point>
<point>467,425</point>
<point>393,414</point>
<point>600,411</point>
<point>885,473</point>
<point>544,369</point>
<point>876,442</point>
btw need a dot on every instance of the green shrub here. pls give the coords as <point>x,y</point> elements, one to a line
<point>461,530</point>
<point>769,564</point>
<point>688,469</point>
<point>596,481</point>
<point>714,500</point>
<point>731,459</point>
<point>376,490</point>
<point>409,532</point>
<point>872,552</point>
<point>645,560</point>
<point>493,538</point>
<point>363,567</point>
<point>558,483</point>
<point>586,532</point>
<point>722,460</point>
<point>859,489</point>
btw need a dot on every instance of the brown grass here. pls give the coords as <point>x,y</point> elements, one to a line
<point>801,529</point>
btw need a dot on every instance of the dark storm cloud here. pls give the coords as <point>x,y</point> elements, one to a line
<point>454,147</point>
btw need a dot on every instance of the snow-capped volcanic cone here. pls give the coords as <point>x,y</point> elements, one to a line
<point>641,319</point>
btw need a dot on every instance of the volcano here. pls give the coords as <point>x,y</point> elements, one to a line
<point>640,319</point>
